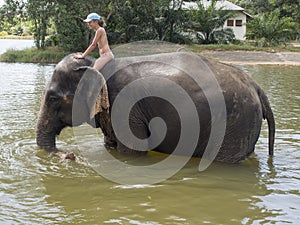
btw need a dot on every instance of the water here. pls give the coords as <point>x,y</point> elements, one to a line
<point>6,44</point>
<point>38,188</point>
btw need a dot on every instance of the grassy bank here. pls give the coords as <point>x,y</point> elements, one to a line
<point>33,55</point>
<point>17,37</point>
<point>54,54</point>
<point>230,47</point>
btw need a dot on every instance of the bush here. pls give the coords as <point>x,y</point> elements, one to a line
<point>224,36</point>
<point>34,55</point>
<point>3,33</point>
<point>52,40</point>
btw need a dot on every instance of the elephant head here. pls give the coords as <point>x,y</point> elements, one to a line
<point>75,94</point>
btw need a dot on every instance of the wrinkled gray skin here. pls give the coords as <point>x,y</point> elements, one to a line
<point>246,104</point>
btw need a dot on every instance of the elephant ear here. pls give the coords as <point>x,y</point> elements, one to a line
<point>92,87</point>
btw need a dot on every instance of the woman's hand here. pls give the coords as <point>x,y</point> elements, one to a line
<point>78,56</point>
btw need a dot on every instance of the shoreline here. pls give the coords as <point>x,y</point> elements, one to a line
<point>14,37</point>
<point>255,57</point>
<point>261,63</point>
<point>232,57</point>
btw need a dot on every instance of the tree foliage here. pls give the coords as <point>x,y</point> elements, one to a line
<point>40,12</point>
<point>269,29</point>
<point>59,22</point>
<point>69,29</point>
<point>13,17</point>
<point>287,8</point>
<point>136,20</point>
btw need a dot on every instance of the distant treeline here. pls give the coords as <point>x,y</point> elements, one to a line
<point>59,22</point>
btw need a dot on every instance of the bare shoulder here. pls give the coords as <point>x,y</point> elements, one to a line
<point>100,30</point>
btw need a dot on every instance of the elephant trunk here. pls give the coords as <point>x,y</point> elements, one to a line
<point>46,134</point>
<point>45,141</point>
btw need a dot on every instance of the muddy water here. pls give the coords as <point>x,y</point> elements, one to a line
<point>37,188</point>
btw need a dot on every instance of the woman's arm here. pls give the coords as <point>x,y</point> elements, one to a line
<point>91,47</point>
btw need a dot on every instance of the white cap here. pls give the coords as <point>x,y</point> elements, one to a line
<point>92,16</point>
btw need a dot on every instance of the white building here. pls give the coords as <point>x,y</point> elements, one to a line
<point>237,24</point>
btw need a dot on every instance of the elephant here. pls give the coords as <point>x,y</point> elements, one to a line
<point>245,105</point>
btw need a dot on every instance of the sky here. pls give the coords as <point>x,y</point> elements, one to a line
<point>1,2</point>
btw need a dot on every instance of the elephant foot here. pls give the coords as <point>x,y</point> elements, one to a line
<point>109,143</point>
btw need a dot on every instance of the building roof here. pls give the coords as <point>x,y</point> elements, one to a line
<point>226,5</point>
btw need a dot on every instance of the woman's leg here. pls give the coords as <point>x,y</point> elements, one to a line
<point>100,63</point>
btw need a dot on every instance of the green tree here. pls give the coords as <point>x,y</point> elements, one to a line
<point>175,21</point>
<point>255,6</point>
<point>287,8</point>
<point>208,23</point>
<point>40,12</point>
<point>13,16</point>
<point>269,29</point>
<point>70,30</point>
<point>136,20</point>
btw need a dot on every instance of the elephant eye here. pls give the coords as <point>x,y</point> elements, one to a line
<point>52,96</point>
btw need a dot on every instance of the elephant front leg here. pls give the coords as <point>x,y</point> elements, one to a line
<point>110,142</point>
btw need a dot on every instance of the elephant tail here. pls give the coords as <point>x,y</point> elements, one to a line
<point>268,114</point>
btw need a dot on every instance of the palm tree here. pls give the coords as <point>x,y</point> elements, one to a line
<point>209,22</point>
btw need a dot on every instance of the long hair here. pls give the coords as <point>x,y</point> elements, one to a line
<point>102,23</point>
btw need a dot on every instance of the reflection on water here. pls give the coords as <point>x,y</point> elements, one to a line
<point>37,188</point>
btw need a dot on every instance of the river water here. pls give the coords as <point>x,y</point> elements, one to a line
<point>38,188</point>
<point>6,44</point>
